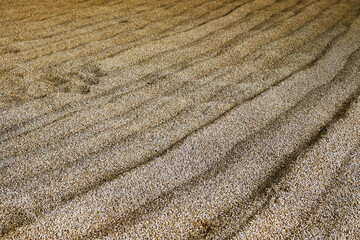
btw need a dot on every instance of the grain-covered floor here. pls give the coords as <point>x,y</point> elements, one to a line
<point>180,119</point>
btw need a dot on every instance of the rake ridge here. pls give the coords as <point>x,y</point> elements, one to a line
<point>178,119</point>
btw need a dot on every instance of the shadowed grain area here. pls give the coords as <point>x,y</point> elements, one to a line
<point>180,119</point>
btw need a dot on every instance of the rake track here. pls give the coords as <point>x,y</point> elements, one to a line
<point>179,119</point>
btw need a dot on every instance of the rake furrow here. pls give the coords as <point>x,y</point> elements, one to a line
<point>169,119</point>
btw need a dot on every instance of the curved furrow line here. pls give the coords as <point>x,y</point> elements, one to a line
<point>200,40</point>
<point>305,192</point>
<point>266,193</point>
<point>186,10</point>
<point>102,95</point>
<point>205,18</point>
<point>288,84</point>
<point>21,11</point>
<point>116,16</point>
<point>278,17</point>
<point>338,196</point>
<point>283,32</point>
<point>111,51</point>
<point>221,166</point>
<point>36,64</point>
<point>233,29</point>
<point>156,223</point>
<point>74,8</point>
<point>107,33</point>
<point>202,90</point>
<point>134,44</point>
<point>10,33</point>
<point>64,36</point>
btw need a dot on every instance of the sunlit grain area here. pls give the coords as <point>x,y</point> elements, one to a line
<point>180,119</point>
